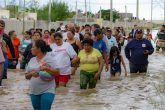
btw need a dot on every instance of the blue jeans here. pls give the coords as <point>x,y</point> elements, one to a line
<point>43,101</point>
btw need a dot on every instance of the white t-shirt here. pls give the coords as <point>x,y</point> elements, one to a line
<point>62,55</point>
<point>76,36</point>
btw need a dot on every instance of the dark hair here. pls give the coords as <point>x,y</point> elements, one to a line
<point>87,25</point>
<point>72,31</point>
<point>112,51</point>
<point>42,45</point>
<point>11,33</point>
<point>58,34</point>
<point>38,33</point>
<point>27,32</point>
<point>88,41</point>
<point>52,33</point>
<point>163,26</point>
<point>118,30</point>
<point>39,29</point>
<point>88,33</point>
<point>97,32</point>
<point>52,30</point>
<point>47,31</point>
<point>30,30</point>
<point>96,26</point>
<point>2,22</point>
<point>148,29</point>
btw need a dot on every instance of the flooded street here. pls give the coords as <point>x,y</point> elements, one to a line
<point>131,93</point>
<point>142,92</point>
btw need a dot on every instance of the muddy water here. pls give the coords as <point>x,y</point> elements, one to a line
<point>131,93</point>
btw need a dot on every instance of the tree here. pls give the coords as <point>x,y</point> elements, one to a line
<point>13,10</point>
<point>59,11</point>
<point>32,6</point>
<point>106,14</point>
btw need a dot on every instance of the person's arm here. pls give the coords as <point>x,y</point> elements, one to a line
<point>150,49</point>
<point>28,76</point>
<point>101,64</point>
<point>78,43</point>
<point>105,56</point>
<point>26,52</point>
<point>127,51</point>
<point>123,63</point>
<point>4,48</point>
<point>10,46</point>
<point>72,54</point>
<point>52,71</point>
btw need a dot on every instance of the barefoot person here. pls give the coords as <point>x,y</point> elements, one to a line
<point>91,65</point>
<point>137,51</point>
<point>115,60</point>
<point>42,90</point>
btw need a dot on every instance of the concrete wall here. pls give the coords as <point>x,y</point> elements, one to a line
<point>4,14</point>
<point>18,25</point>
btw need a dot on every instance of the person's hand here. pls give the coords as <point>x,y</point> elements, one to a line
<point>106,68</point>
<point>146,52</point>
<point>96,77</point>
<point>126,74</point>
<point>34,74</point>
<point>14,62</point>
<point>74,61</point>
<point>43,68</point>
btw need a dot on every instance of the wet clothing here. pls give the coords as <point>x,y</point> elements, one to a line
<point>43,101</point>
<point>115,65</point>
<point>87,80</point>
<point>138,68</point>
<point>89,62</point>
<point>37,85</point>
<point>62,54</point>
<point>135,52</point>
<point>100,45</point>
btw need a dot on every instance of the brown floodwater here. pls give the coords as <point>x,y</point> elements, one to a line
<point>142,92</point>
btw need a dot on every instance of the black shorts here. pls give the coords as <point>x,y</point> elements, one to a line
<point>113,73</point>
<point>138,68</point>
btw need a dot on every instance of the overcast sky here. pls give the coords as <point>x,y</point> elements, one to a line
<point>119,5</point>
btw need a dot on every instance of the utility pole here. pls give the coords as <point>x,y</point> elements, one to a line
<point>90,9</point>
<point>126,18</point>
<point>76,13</point>
<point>86,14</point>
<point>111,12</point>
<point>137,9</point>
<point>23,16</point>
<point>49,19</point>
<point>100,17</point>
<point>151,13</point>
<point>164,11</point>
<point>5,3</point>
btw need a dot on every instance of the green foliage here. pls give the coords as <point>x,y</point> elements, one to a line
<point>106,14</point>
<point>59,11</point>
<point>13,10</point>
